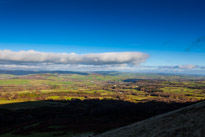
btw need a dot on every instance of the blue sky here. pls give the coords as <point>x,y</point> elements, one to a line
<point>171,32</point>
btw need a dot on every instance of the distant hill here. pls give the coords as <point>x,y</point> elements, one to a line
<point>185,122</point>
<point>25,72</point>
<point>134,76</point>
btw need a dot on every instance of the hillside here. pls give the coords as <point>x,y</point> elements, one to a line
<point>184,122</point>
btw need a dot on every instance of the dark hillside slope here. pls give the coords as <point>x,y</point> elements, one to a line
<point>185,122</point>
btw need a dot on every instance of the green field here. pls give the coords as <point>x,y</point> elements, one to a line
<point>117,86</point>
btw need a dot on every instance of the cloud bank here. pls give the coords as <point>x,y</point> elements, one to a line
<point>110,61</point>
<point>35,58</point>
<point>183,69</point>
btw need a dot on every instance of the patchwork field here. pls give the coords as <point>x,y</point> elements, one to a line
<point>62,104</point>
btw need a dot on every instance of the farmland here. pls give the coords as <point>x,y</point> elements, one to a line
<point>66,104</point>
<point>35,87</point>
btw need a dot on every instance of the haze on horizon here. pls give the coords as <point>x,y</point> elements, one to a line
<point>104,35</point>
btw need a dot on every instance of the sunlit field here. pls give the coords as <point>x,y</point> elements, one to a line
<point>120,86</point>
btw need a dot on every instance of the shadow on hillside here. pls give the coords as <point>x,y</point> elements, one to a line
<point>76,115</point>
<point>133,80</point>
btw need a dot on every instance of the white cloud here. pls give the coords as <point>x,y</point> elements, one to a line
<point>35,59</point>
<point>188,66</point>
<point>186,69</point>
<point>111,61</point>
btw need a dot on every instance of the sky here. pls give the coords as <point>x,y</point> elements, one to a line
<point>123,35</point>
